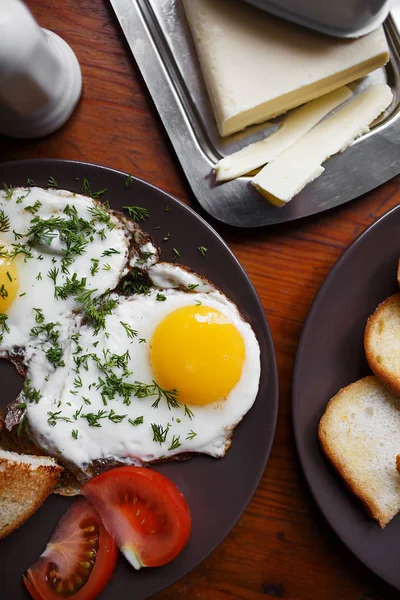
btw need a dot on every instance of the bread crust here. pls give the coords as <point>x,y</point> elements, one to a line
<point>390,379</point>
<point>331,450</point>
<point>23,489</point>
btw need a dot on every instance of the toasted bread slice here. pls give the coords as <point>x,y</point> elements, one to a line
<point>360,434</point>
<point>382,342</point>
<point>398,272</point>
<point>25,482</point>
<point>67,485</point>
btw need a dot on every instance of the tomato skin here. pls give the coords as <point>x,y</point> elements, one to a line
<point>143,511</point>
<point>66,547</point>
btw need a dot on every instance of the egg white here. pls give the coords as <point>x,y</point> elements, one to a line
<point>75,392</point>
<point>37,290</point>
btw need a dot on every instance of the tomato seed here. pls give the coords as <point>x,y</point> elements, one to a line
<point>137,512</point>
<point>142,521</point>
<point>90,529</point>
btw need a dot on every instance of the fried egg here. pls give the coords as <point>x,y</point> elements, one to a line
<point>171,372</point>
<point>59,252</point>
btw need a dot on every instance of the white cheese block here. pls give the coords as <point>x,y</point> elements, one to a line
<point>286,176</point>
<point>257,66</point>
<point>296,124</point>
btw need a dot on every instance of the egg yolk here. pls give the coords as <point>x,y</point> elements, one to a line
<point>199,352</point>
<point>9,281</point>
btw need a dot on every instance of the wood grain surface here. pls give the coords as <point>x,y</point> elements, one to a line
<point>282,547</point>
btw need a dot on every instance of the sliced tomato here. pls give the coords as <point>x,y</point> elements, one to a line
<point>78,561</point>
<point>144,511</point>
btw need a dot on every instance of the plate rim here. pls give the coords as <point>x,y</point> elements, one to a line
<point>318,300</point>
<point>274,375</point>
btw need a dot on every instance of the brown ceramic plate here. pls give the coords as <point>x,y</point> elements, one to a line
<point>217,491</point>
<point>331,355</point>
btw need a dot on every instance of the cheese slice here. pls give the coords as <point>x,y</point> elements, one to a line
<point>286,176</point>
<point>296,124</point>
<point>256,66</point>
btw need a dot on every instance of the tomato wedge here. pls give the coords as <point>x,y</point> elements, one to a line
<point>78,561</point>
<point>144,511</point>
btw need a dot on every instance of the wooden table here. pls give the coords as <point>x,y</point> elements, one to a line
<point>282,547</point>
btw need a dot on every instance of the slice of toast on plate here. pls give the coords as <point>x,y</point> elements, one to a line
<point>360,434</point>
<point>25,483</point>
<point>381,342</point>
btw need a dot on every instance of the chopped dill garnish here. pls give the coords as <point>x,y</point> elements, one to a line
<point>51,183</point>
<point>203,251</point>
<point>188,412</point>
<point>159,433</point>
<point>95,266</point>
<point>110,252</point>
<point>128,181</point>
<point>100,214</point>
<point>116,418</point>
<point>146,255</point>
<point>3,326</point>
<point>136,422</point>
<point>78,382</point>
<point>56,416</point>
<point>161,297</point>
<point>175,254</point>
<point>74,434</point>
<point>86,189</point>
<point>54,355</point>
<point>136,282</point>
<point>48,329</point>
<point>31,393</point>
<point>169,395</point>
<point>30,181</point>
<point>94,419</point>
<point>137,213</point>
<point>23,426</point>
<point>175,443</point>
<point>3,291</point>
<point>130,332</point>
<point>77,413</point>
<point>34,208</point>
<point>4,222</point>
<point>15,250</point>
<point>39,316</point>
<point>9,190</point>
<point>166,237</point>
<point>53,273</point>
<point>192,286</point>
<point>191,435</point>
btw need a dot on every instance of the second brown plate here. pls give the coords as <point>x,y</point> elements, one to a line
<point>329,357</point>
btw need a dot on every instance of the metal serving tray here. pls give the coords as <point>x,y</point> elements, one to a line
<point>160,40</point>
